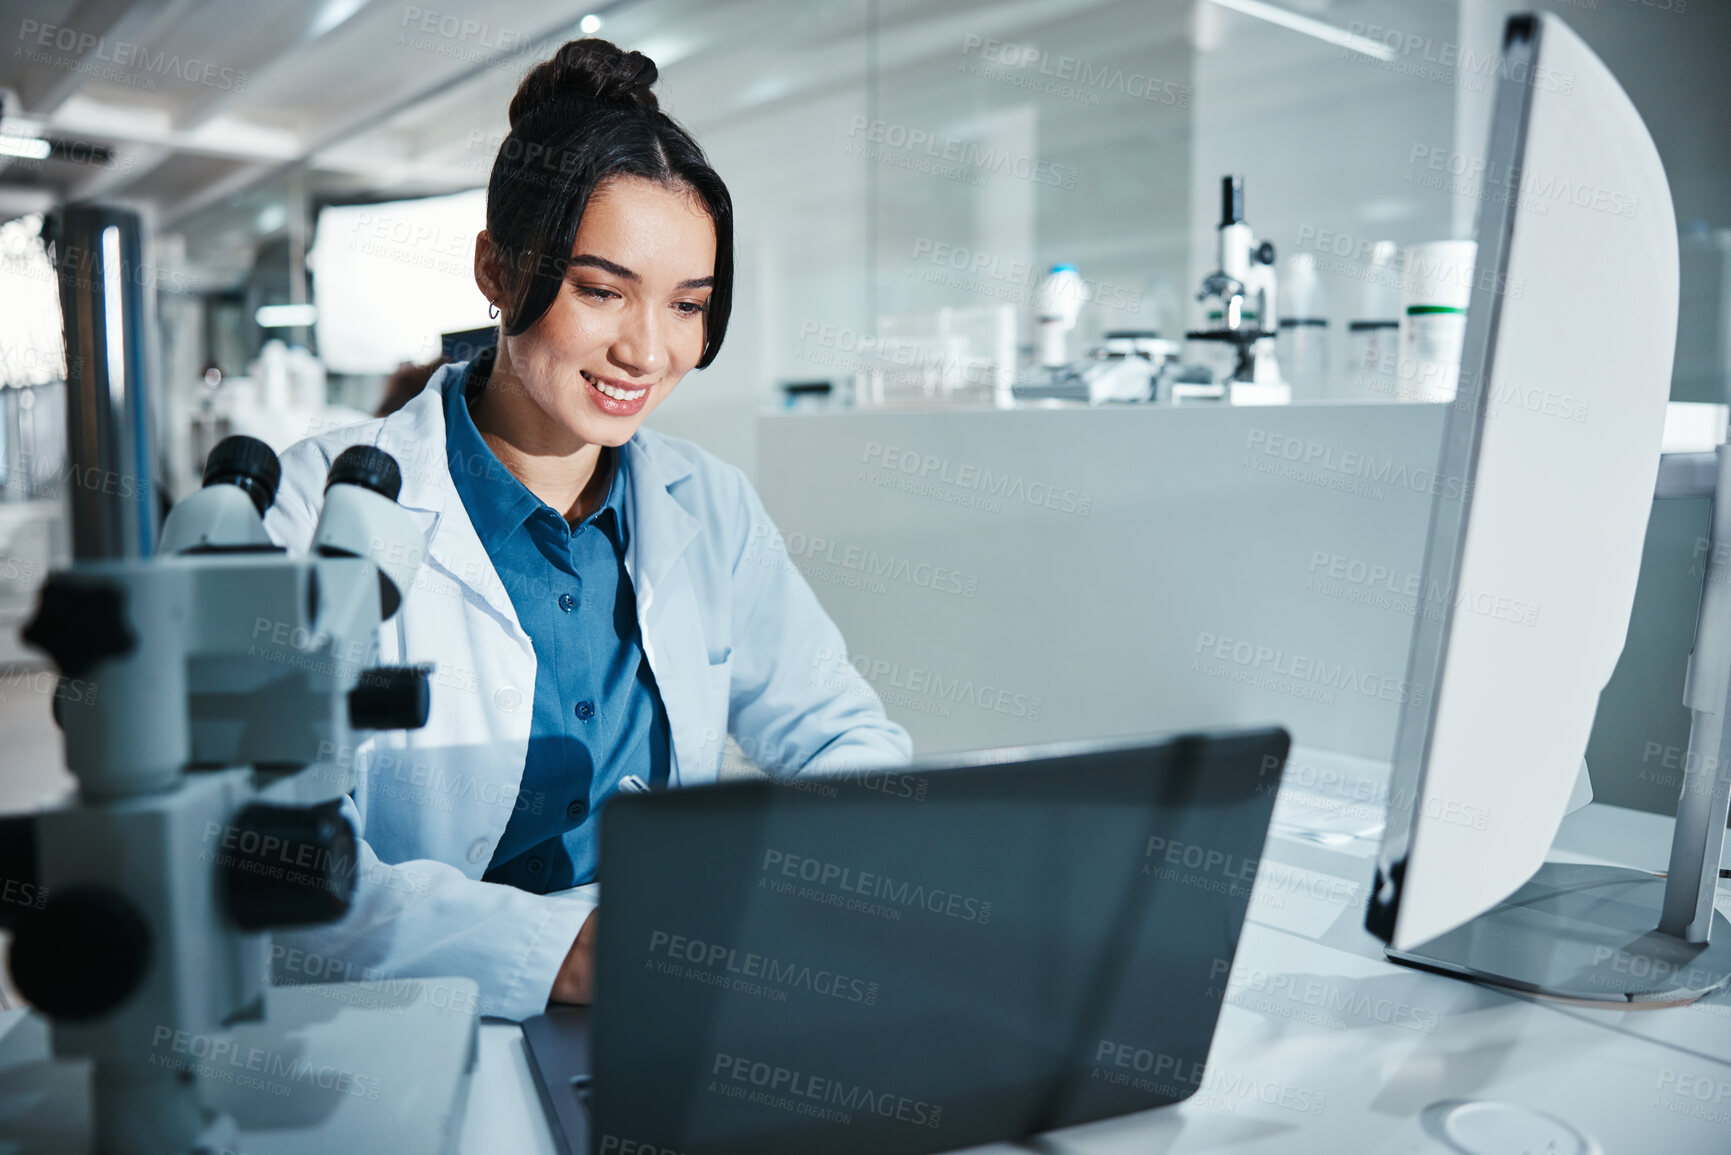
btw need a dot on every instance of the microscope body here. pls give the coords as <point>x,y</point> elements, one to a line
<point>227,675</point>
<point>1245,285</point>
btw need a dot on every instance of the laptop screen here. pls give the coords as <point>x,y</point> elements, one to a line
<point>922,959</point>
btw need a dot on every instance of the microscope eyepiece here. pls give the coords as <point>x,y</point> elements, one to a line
<point>248,463</point>
<point>1231,200</point>
<point>369,467</point>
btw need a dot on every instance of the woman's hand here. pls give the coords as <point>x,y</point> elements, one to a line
<point>576,980</point>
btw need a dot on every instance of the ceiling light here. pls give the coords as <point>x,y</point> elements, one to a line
<point>286,316</point>
<point>589,25</point>
<point>30,147</point>
<point>334,14</point>
<point>1309,26</point>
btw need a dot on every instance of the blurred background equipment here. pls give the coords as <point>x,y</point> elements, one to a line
<point>1303,337</point>
<point>1245,319</point>
<point>1435,289</point>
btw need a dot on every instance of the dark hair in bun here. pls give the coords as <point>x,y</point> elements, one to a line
<point>598,69</point>
<point>584,116</point>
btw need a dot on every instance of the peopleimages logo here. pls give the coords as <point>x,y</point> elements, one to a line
<point>1303,669</point>
<point>833,877</point>
<point>1004,278</point>
<point>961,475</point>
<point>1385,587</point>
<point>967,155</point>
<point>1201,858</point>
<point>85,49</point>
<point>812,556</point>
<point>1534,191</point>
<point>1462,64</point>
<point>1125,1064</point>
<point>1323,1003</point>
<point>1087,77</point>
<point>223,1060</point>
<point>916,680</point>
<point>744,970</point>
<point>800,1092</point>
<point>1353,465</point>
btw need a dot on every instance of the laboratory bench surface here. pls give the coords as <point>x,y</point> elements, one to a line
<point>1322,1044</point>
<point>1325,1046</point>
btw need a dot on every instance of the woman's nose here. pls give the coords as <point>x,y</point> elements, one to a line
<point>639,348</point>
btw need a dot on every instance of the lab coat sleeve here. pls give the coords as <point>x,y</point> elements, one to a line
<point>795,702</point>
<point>426,920</point>
<point>421,918</point>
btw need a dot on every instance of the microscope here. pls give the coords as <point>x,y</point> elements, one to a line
<point>1124,368</point>
<point>1244,284</point>
<point>223,677</point>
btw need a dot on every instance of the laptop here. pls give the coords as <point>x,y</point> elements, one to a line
<point>913,960</point>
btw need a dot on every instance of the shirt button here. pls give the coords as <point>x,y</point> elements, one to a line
<point>478,850</point>
<point>585,710</point>
<point>576,810</point>
<point>535,865</point>
<point>567,602</point>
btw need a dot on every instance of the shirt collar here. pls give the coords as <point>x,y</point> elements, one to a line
<point>498,503</point>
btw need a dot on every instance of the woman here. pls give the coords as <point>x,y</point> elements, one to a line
<point>604,604</point>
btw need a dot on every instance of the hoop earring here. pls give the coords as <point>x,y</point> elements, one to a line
<point>493,309</point>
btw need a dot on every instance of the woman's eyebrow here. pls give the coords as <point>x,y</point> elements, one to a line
<point>603,264</point>
<point>589,260</point>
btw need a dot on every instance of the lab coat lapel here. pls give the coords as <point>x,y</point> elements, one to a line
<point>415,436</point>
<point>660,526</point>
<point>668,619</point>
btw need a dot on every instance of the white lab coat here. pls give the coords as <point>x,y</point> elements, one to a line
<point>735,637</point>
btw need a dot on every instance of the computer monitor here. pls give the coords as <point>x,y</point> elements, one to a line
<point>1546,478</point>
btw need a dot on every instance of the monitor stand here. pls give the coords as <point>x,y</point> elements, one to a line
<point>1584,933</point>
<point>1612,935</point>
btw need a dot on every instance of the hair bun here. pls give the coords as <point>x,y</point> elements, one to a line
<point>597,69</point>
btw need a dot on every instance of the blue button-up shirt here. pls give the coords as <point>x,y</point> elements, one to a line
<point>598,716</point>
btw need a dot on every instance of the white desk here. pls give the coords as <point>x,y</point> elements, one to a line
<point>1324,1046</point>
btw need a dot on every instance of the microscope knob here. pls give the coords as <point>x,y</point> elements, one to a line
<point>80,621</point>
<point>83,954</point>
<point>391,698</point>
<point>289,866</point>
<point>1265,252</point>
<point>369,467</point>
<point>248,463</point>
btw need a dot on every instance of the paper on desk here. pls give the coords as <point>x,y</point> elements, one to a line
<point>1300,901</point>
<point>1330,820</point>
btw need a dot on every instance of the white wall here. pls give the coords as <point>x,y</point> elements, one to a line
<point>830,241</point>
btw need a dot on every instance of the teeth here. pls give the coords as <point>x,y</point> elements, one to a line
<point>618,394</point>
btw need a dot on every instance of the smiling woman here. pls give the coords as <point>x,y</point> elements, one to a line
<point>624,328</point>
<point>633,581</point>
<point>609,251</point>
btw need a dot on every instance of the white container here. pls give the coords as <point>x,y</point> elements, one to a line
<point>1435,291</point>
<point>1372,349</point>
<point>1302,344</point>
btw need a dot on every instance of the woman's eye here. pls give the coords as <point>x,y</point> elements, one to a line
<point>596,293</point>
<point>689,308</point>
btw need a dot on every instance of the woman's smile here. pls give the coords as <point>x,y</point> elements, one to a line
<point>614,397</point>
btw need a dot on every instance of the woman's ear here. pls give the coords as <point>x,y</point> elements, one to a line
<point>487,269</point>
